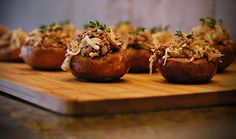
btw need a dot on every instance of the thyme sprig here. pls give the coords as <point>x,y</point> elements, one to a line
<point>159,28</point>
<point>50,27</point>
<point>97,25</point>
<point>211,22</point>
<point>184,35</point>
<point>137,31</point>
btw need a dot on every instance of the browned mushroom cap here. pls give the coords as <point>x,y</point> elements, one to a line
<point>6,54</point>
<point>139,60</point>
<point>100,69</point>
<point>180,70</point>
<point>227,58</point>
<point>44,58</point>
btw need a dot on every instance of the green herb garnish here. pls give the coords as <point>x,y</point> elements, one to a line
<point>50,27</point>
<point>211,22</point>
<point>138,30</point>
<point>189,36</point>
<point>159,29</point>
<point>97,25</point>
<point>179,33</point>
<point>184,35</point>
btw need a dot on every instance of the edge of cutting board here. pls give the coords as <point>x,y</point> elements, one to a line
<point>67,107</point>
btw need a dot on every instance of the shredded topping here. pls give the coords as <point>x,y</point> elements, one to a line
<point>161,38</point>
<point>141,39</point>
<point>52,35</point>
<point>182,47</point>
<point>18,38</point>
<point>213,32</point>
<point>95,41</point>
<point>124,28</point>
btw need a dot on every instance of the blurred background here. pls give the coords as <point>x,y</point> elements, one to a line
<point>179,14</point>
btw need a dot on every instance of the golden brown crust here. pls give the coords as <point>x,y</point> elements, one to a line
<point>139,60</point>
<point>43,58</point>
<point>8,55</point>
<point>107,68</point>
<point>179,70</point>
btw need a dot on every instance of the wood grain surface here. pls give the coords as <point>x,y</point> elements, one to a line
<point>60,92</point>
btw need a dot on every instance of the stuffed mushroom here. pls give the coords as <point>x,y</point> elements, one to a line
<point>139,49</point>
<point>96,54</point>
<point>11,43</point>
<point>186,59</point>
<point>214,32</point>
<point>45,48</point>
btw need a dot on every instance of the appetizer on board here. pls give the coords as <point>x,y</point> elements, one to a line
<point>214,32</point>
<point>96,54</point>
<point>11,43</point>
<point>139,47</point>
<point>186,59</point>
<point>45,48</point>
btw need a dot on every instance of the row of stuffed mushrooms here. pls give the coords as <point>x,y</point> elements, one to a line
<point>101,53</point>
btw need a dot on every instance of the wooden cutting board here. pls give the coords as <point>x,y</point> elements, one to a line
<point>60,92</point>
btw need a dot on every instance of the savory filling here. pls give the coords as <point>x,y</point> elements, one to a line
<point>140,39</point>
<point>161,35</point>
<point>124,28</point>
<point>52,35</point>
<point>12,40</point>
<point>96,41</point>
<point>18,37</point>
<point>185,46</point>
<point>213,32</point>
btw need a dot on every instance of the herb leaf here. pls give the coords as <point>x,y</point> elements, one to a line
<point>179,33</point>
<point>137,31</point>
<point>211,22</point>
<point>97,25</point>
<point>189,36</point>
<point>50,27</point>
<point>184,35</point>
<point>159,29</point>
